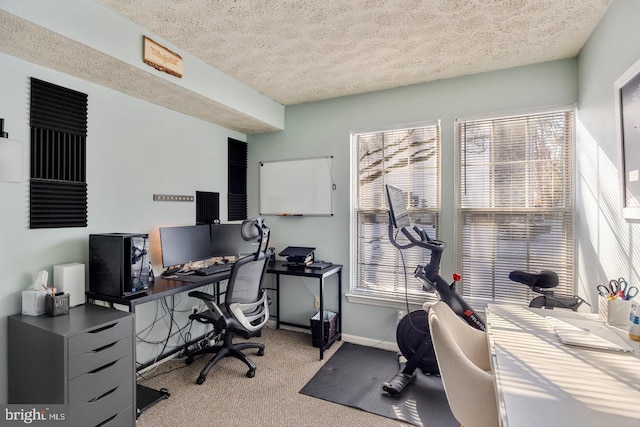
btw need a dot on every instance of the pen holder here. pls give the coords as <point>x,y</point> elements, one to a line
<point>56,305</point>
<point>614,311</point>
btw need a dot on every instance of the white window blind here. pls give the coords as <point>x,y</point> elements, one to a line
<point>515,202</point>
<point>408,159</point>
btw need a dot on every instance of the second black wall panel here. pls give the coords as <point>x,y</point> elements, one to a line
<point>237,180</point>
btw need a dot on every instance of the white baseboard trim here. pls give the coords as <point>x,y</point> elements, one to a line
<point>293,328</point>
<point>271,324</point>
<point>354,339</point>
<point>368,342</point>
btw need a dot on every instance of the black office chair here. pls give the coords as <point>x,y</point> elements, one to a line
<point>245,309</point>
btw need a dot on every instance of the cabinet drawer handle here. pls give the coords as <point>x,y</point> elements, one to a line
<point>104,328</point>
<point>108,365</point>
<point>95,399</point>
<point>107,421</point>
<point>104,347</point>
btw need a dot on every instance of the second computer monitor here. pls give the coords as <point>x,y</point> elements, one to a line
<point>226,240</point>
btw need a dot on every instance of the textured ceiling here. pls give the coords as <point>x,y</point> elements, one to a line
<point>296,51</point>
<point>36,44</point>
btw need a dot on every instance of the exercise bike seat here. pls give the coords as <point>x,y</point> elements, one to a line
<point>545,279</point>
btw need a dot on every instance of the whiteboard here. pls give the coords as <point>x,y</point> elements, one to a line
<point>297,187</point>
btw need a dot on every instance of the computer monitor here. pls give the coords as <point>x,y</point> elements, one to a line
<point>398,207</point>
<point>185,244</point>
<point>226,240</point>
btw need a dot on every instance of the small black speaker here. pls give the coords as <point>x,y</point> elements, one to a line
<point>119,264</point>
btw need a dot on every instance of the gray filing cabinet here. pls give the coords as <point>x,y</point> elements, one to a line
<point>84,359</point>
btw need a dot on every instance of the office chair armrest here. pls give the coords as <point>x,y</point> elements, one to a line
<point>210,301</point>
<point>202,295</point>
<point>247,313</point>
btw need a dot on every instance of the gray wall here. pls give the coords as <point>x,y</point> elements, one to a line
<point>607,244</point>
<point>134,149</point>
<point>323,128</point>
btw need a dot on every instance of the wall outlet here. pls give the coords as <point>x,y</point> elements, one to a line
<point>316,303</point>
<point>401,314</point>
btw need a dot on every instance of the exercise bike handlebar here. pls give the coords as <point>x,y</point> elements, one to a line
<point>424,240</point>
<point>429,274</point>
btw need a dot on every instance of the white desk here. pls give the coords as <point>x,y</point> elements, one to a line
<point>541,382</point>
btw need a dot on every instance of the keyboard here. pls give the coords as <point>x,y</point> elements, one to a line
<point>213,269</point>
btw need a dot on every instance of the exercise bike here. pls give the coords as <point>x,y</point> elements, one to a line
<point>412,334</point>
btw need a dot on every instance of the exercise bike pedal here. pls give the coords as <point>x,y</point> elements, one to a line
<point>395,386</point>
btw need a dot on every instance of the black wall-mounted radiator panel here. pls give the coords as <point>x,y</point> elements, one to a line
<point>58,189</point>
<point>207,207</point>
<point>237,207</point>
<point>57,108</point>
<point>57,155</point>
<point>56,204</point>
<point>237,179</point>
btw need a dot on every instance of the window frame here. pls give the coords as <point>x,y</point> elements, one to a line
<point>567,276</point>
<point>398,298</point>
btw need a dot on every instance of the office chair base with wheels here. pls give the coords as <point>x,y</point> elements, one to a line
<point>227,349</point>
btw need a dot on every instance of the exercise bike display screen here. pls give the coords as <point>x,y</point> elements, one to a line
<point>398,207</point>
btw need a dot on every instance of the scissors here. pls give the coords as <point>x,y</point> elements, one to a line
<point>607,291</point>
<point>619,285</point>
<point>630,292</point>
<point>618,288</point>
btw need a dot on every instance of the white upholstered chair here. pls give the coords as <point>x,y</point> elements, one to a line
<point>463,358</point>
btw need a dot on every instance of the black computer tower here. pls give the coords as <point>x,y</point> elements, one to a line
<point>119,264</point>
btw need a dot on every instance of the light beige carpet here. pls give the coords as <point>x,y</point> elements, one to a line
<point>272,398</point>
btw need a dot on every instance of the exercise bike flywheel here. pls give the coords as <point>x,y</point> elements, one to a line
<point>412,333</point>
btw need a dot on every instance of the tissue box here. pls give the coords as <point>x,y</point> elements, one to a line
<point>615,311</point>
<point>33,302</point>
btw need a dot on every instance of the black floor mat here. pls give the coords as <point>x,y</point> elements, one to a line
<point>354,376</point>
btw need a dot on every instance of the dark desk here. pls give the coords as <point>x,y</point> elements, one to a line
<point>161,288</point>
<point>280,269</point>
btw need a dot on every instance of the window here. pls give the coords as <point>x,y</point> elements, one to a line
<point>409,159</point>
<point>515,202</point>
